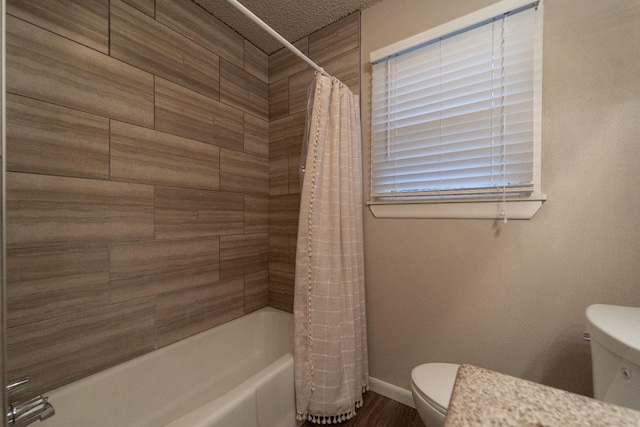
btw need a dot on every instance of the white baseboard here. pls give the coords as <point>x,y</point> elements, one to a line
<point>391,391</point>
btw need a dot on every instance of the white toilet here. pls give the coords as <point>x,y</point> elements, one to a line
<point>614,333</point>
<point>431,385</point>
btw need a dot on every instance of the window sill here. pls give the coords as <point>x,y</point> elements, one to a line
<point>516,209</point>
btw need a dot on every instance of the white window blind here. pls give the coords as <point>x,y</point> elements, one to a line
<point>455,117</point>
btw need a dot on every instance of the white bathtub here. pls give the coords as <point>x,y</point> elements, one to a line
<point>239,374</point>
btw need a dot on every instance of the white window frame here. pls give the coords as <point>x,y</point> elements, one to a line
<point>474,208</point>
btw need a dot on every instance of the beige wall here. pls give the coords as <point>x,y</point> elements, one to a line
<point>512,297</point>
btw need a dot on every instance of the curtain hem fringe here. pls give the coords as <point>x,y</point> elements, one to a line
<point>326,419</point>
<point>332,419</point>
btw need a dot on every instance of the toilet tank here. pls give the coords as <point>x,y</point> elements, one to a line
<point>615,353</point>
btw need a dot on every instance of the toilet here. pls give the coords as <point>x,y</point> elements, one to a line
<point>614,335</point>
<point>431,386</point>
<point>614,332</point>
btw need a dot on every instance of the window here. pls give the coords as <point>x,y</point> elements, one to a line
<point>456,118</point>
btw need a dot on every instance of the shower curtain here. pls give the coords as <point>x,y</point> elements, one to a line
<point>330,353</point>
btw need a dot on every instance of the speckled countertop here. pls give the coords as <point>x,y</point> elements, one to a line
<point>486,398</point>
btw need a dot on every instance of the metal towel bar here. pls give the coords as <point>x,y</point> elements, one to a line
<point>17,384</point>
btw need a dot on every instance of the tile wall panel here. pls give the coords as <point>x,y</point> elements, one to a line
<point>335,39</point>
<point>256,136</point>
<point>144,269</point>
<point>186,113</point>
<point>281,290</point>
<point>244,173</point>
<point>279,252</point>
<point>83,21</point>
<point>244,91</point>
<point>188,213</point>
<point>294,174</point>
<point>284,63</point>
<point>283,214</point>
<point>48,67</point>
<point>299,86</point>
<point>256,291</point>
<point>256,62</point>
<point>293,247</point>
<point>146,6</point>
<point>346,68</point>
<point>282,252</point>
<point>146,156</point>
<point>185,313</point>
<point>256,213</point>
<point>243,254</point>
<point>57,351</point>
<point>50,210</point>
<point>279,99</point>
<point>47,139</point>
<point>49,282</point>
<point>286,134</point>
<point>140,40</point>
<point>279,176</point>
<point>191,20</point>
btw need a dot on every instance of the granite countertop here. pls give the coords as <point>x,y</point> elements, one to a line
<point>486,398</point>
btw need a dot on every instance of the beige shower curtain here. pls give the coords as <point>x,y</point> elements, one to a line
<point>331,364</point>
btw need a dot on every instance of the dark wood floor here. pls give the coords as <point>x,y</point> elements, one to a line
<point>378,411</point>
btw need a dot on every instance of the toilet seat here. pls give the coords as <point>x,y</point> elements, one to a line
<point>434,383</point>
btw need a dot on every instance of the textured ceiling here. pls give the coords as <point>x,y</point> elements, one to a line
<point>293,19</point>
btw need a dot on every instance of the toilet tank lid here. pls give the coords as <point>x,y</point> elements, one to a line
<point>435,381</point>
<point>616,328</point>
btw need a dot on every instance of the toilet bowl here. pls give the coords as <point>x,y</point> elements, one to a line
<point>431,386</point>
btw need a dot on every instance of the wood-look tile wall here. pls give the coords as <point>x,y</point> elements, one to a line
<point>138,184</point>
<point>336,48</point>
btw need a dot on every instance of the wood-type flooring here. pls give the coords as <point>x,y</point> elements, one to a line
<point>379,411</point>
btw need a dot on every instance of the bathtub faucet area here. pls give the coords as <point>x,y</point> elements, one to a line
<point>23,413</point>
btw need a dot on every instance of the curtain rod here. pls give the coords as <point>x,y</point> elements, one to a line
<point>271,31</point>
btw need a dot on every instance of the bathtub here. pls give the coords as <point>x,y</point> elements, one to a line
<point>239,374</point>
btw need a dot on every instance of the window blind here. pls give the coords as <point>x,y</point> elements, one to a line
<point>454,117</point>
